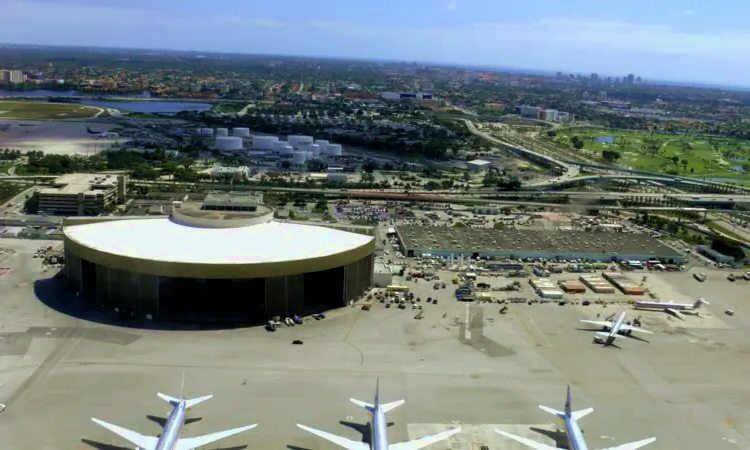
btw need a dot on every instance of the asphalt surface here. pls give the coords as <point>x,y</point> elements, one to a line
<point>61,364</point>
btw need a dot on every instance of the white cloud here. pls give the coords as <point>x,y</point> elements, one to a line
<point>452,5</point>
<point>688,12</point>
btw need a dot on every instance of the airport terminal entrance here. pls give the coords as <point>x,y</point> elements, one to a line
<point>241,300</point>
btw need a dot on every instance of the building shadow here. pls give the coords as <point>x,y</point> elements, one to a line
<point>53,293</point>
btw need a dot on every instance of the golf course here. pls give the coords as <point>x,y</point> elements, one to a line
<point>45,111</point>
<point>692,156</point>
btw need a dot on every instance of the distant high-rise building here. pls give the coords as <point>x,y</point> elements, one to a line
<point>637,79</point>
<point>602,96</point>
<point>631,78</point>
<point>12,76</point>
<point>559,75</point>
<point>594,77</point>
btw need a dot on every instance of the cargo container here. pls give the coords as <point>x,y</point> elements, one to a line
<point>554,294</point>
<point>596,284</point>
<point>573,287</point>
<point>537,284</point>
<point>624,284</point>
<point>482,296</point>
<point>538,271</point>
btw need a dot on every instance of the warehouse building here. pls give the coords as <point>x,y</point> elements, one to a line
<point>547,244</point>
<point>82,194</point>
<point>222,260</point>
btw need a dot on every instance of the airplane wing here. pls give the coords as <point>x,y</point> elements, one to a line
<point>601,323</point>
<point>343,442</point>
<point>632,328</point>
<point>526,442</point>
<point>425,441</point>
<point>200,441</point>
<point>143,442</point>
<point>632,445</point>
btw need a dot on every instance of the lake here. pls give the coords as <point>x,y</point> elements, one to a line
<point>605,139</point>
<point>134,106</point>
<point>150,106</point>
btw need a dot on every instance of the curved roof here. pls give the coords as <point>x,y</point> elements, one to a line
<point>163,247</point>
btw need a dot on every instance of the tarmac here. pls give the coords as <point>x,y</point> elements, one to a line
<point>461,365</point>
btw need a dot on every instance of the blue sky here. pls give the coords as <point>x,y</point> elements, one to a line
<point>686,40</point>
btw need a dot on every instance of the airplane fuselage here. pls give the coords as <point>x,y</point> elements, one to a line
<point>575,435</point>
<point>378,426</point>
<point>172,428</point>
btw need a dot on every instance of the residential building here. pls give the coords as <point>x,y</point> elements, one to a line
<point>602,97</point>
<point>549,115</point>
<point>563,116</point>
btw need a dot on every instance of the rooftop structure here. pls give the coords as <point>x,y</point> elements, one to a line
<point>478,164</point>
<point>546,244</point>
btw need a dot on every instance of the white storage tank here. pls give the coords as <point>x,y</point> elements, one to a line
<point>333,149</point>
<point>322,143</point>
<point>299,158</point>
<point>309,155</point>
<point>241,132</point>
<point>296,141</point>
<point>222,132</point>
<point>207,131</point>
<point>229,143</point>
<point>284,150</point>
<point>264,142</point>
<point>315,149</point>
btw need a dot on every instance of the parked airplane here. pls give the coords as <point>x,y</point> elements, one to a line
<point>615,328</point>
<point>573,431</point>
<point>170,437</point>
<point>104,135</point>
<point>378,424</point>
<point>672,307</point>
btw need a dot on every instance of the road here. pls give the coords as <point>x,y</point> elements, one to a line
<point>571,171</point>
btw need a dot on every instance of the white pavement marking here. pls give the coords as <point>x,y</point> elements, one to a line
<point>467,322</point>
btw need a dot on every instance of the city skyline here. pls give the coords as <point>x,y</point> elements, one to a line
<point>674,41</point>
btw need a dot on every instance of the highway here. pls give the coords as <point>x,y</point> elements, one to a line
<point>453,195</point>
<point>571,171</point>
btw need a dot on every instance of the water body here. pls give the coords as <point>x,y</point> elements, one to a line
<point>134,106</point>
<point>606,139</point>
<point>150,106</point>
<point>46,93</point>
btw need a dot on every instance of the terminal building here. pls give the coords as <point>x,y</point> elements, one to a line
<point>547,244</point>
<point>82,194</point>
<point>225,259</point>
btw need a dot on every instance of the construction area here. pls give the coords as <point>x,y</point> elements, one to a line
<point>462,364</point>
<point>545,244</point>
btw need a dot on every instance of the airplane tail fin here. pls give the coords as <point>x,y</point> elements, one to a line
<point>698,303</point>
<point>189,403</point>
<point>568,412</point>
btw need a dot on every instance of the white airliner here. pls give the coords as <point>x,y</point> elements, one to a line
<point>615,328</point>
<point>573,431</point>
<point>170,436</point>
<point>672,307</point>
<point>102,135</point>
<point>378,426</point>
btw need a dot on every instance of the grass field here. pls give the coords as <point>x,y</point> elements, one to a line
<point>44,111</point>
<point>696,156</point>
